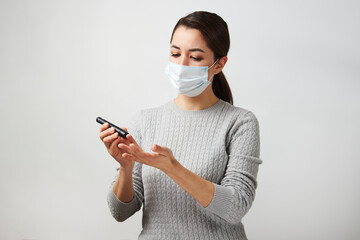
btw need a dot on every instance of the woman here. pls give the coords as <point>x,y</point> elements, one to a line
<point>192,162</point>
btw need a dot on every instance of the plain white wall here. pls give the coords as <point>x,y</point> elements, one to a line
<point>295,64</point>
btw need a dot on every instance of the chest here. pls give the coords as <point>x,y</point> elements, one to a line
<point>198,144</point>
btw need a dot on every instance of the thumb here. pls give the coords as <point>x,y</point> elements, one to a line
<point>159,149</point>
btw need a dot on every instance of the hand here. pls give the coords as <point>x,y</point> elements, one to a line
<point>111,140</point>
<point>161,157</point>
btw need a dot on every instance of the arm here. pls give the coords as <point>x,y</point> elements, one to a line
<point>163,159</point>
<point>200,189</point>
<point>123,186</point>
<point>232,198</point>
<point>236,192</point>
<point>125,195</point>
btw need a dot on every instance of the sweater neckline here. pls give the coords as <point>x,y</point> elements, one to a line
<point>172,105</point>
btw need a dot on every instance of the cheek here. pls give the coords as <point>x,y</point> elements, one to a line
<point>174,60</point>
<point>171,59</point>
<point>211,74</point>
<point>211,71</point>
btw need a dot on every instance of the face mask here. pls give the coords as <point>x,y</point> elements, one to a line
<point>189,80</point>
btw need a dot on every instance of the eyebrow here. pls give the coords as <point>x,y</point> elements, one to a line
<point>190,50</point>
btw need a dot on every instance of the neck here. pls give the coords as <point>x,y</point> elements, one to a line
<point>205,100</point>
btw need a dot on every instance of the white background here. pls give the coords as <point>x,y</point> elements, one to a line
<point>294,64</point>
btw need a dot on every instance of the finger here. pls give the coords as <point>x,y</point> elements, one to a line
<point>130,157</point>
<point>124,141</point>
<point>109,139</point>
<point>161,150</point>
<point>104,126</point>
<point>115,142</point>
<point>124,128</point>
<point>136,150</point>
<point>131,139</point>
<point>151,156</point>
<point>124,147</point>
<point>106,133</point>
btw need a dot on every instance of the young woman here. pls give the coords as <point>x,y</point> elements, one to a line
<point>192,162</point>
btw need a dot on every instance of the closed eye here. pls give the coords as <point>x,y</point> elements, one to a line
<point>196,59</point>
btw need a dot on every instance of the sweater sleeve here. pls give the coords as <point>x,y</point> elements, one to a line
<point>234,195</point>
<point>120,210</point>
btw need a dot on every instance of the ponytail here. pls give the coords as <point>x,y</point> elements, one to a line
<point>221,88</point>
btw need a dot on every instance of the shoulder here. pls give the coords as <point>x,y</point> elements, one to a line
<point>240,120</point>
<point>239,114</point>
<point>243,133</point>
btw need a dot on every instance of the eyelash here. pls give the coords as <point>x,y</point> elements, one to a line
<point>196,59</point>
<point>178,55</point>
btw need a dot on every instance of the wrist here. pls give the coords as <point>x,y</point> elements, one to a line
<point>173,167</point>
<point>126,169</point>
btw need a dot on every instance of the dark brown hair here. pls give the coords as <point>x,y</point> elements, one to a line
<point>216,34</point>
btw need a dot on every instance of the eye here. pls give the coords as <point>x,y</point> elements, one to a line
<point>196,58</point>
<point>175,55</point>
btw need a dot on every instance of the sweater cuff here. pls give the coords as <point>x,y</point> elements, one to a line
<point>116,205</point>
<point>221,201</point>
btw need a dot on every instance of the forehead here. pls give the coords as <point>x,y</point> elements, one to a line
<point>188,38</point>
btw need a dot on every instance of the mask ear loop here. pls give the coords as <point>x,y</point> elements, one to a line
<point>211,67</point>
<point>214,63</point>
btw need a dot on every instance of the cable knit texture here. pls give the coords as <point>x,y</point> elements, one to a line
<point>220,144</point>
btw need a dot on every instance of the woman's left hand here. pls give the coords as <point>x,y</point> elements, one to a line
<point>161,157</point>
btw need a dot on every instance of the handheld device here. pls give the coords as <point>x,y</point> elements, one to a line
<point>122,133</point>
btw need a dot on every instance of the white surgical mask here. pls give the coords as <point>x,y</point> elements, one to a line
<point>189,80</point>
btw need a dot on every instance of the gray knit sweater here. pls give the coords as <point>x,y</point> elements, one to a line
<point>220,144</point>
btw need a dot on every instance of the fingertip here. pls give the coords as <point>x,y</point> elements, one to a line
<point>104,127</point>
<point>130,138</point>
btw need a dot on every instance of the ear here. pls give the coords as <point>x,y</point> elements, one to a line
<point>220,64</point>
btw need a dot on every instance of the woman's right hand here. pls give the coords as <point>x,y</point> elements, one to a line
<point>111,140</point>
